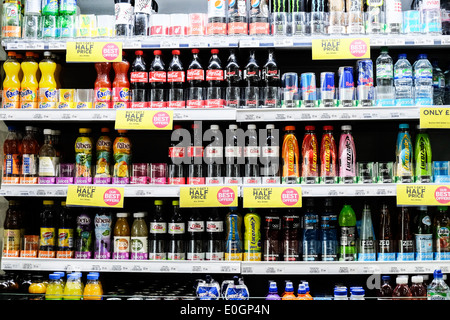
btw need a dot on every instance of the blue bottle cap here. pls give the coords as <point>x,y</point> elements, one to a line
<point>72,276</point>
<point>54,276</point>
<point>340,291</point>
<point>402,56</point>
<point>386,278</point>
<point>92,276</point>
<point>422,56</point>
<point>437,274</point>
<point>273,287</point>
<point>289,287</point>
<point>301,289</point>
<point>404,126</point>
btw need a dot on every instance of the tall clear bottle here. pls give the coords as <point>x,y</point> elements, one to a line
<point>424,235</point>
<point>423,81</point>
<point>195,235</point>
<point>214,236</point>
<point>367,241</point>
<point>386,244</point>
<point>329,232</point>
<point>403,81</point>
<point>177,234</point>
<point>442,234</point>
<point>405,237</point>
<point>385,75</point>
<point>157,233</point>
<point>47,159</point>
<point>142,12</point>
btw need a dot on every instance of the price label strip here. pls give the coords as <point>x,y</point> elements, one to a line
<point>435,118</point>
<point>339,49</point>
<point>95,196</point>
<point>272,197</point>
<point>86,51</point>
<point>423,195</point>
<point>209,196</point>
<point>143,119</point>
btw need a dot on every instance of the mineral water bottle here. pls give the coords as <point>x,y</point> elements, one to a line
<point>438,84</point>
<point>438,289</point>
<point>385,75</point>
<point>423,81</point>
<point>403,81</point>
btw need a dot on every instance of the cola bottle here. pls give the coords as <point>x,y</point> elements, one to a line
<point>270,156</point>
<point>142,12</point>
<point>272,81</point>
<point>214,236</point>
<point>271,236</point>
<point>290,242</point>
<point>176,78</point>
<point>139,81</point>
<point>214,81</point>
<point>157,79</point>
<point>233,155</point>
<point>195,77</point>
<point>176,234</point>
<point>252,79</point>
<point>214,155</point>
<point>251,156</point>
<point>195,234</point>
<point>157,233</point>
<point>195,156</point>
<point>233,78</point>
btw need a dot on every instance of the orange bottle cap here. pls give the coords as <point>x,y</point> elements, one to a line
<point>289,128</point>
<point>122,131</point>
<point>105,130</point>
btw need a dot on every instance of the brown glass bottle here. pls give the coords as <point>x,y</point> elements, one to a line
<point>386,246</point>
<point>405,237</point>
<point>12,230</point>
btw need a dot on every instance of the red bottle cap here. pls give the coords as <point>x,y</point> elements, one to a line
<point>215,51</point>
<point>310,128</point>
<point>157,52</point>
<point>176,52</point>
<point>29,54</point>
<point>177,126</point>
<point>139,52</point>
<point>195,51</point>
<point>328,128</point>
<point>289,128</point>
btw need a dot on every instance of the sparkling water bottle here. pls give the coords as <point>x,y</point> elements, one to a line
<point>385,75</point>
<point>403,81</point>
<point>438,84</point>
<point>423,81</point>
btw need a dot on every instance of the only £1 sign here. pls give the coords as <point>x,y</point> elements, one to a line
<point>209,196</point>
<point>423,195</point>
<point>95,196</point>
<point>435,118</point>
<point>340,49</point>
<point>272,197</point>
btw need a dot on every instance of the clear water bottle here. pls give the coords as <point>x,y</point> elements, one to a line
<point>423,81</point>
<point>438,84</point>
<point>385,75</point>
<point>438,289</point>
<point>430,13</point>
<point>403,80</point>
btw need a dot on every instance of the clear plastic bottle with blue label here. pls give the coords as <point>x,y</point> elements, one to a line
<point>367,242</point>
<point>423,81</point>
<point>311,233</point>
<point>329,232</point>
<point>403,81</point>
<point>424,235</point>
<point>237,290</point>
<point>438,289</point>
<point>208,289</point>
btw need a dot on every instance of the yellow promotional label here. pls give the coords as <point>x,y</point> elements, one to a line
<point>435,118</point>
<point>423,195</point>
<point>95,196</point>
<point>339,49</point>
<point>86,51</point>
<point>272,197</point>
<point>144,119</point>
<point>211,196</point>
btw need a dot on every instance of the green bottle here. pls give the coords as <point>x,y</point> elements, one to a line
<point>347,224</point>
<point>422,152</point>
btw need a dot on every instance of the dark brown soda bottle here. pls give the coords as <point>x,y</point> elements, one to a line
<point>271,236</point>
<point>386,247</point>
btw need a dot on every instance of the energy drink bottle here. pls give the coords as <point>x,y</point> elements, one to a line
<point>423,159</point>
<point>233,234</point>
<point>328,156</point>
<point>347,156</point>
<point>310,152</point>
<point>252,236</point>
<point>347,223</point>
<point>291,157</point>
<point>404,156</point>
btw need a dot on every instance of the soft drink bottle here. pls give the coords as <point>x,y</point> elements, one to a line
<point>30,154</point>
<point>442,234</point>
<point>366,241</point>
<point>290,154</point>
<point>103,229</point>
<point>176,79</point>
<point>252,78</point>
<point>437,289</point>
<point>271,236</point>
<point>233,78</point>
<point>273,292</point>
<point>217,17</point>
<point>124,11</point>
<point>424,235</point>
<point>310,236</point>
<point>214,81</point>
<point>329,233</point>
<point>386,244</point>
<point>103,86</point>
<point>347,223</point>
<point>233,236</point>
<point>11,157</point>
<point>403,81</point>
<point>11,19</point>
<point>401,290</point>
<point>347,155</point>
<point>404,155</point>
<point>214,155</point>
<point>139,81</point>
<point>103,154</point>
<point>157,78</point>
<point>270,154</point>
<point>328,156</point>
<point>272,81</point>
<point>177,233</point>
<point>251,156</point>
<point>288,292</point>
<point>385,288</point>
<point>157,233</point>
<point>418,289</point>
<point>83,156</point>
<point>195,236</point>
<point>252,236</point>
<point>11,83</point>
<point>65,234</point>
<point>139,237</point>
<point>310,155</point>
<point>259,17</point>
<point>84,235</point>
<point>47,160</point>
<point>423,157</point>
<point>214,236</point>
<point>29,85</point>
<point>122,156</point>
<point>47,242</point>
<point>121,84</point>
<point>290,243</point>
<point>195,77</point>
<point>233,155</point>
<point>12,231</point>
<point>238,17</point>
<point>47,84</point>
<point>142,12</point>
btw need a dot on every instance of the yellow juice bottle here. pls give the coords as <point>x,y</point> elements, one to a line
<point>11,84</point>
<point>29,85</point>
<point>48,93</point>
<point>93,289</point>
<point>73,289</point>
<point>54,288</point>
<point>122,158</point>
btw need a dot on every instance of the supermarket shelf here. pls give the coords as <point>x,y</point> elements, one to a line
<point>69,265</point>
<point>167,42</point>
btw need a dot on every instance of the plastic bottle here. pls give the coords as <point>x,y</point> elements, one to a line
<point>386,246</point>
<point>233,236</point>
<point>290,154</point>
<point>310,156</point>
<point>386,288</point>
<point>418,289</point>
<point>214,81</point>
<point>11,157</point>
<point>272,236</point>
<point>340,293</point>
<point>29,85</point>
<point>328,232</point>
<point>30,153</point>
<point>195,236</point>
<point>122,237</point>
<point>47,97</point>
<point>121,84</point>
<point>11,231</point>
<point>301,293</point>
<point>347,224</point>
<point>438,84</point>
<point>177,234</point>
<point>157,78</point>
<point>328,156</point>
<point>122,158</point>
<point>176,81</point>
<point>289,292</point>
<point>92,289</point>
<point>236,290</point>
<point>217,17</point>
<point>430,15</point>
<point>213,155</point>
<point>271,81</point>
<point>357,293</point>
<point>84,235</point>
<point>393,16</point>
<point>47,243</point>
<point>252,79</point>
<point>290,235</point>
<point>423,81</point>
<point>195,78</point>
<point>124,12</point>
<point>308,291</point>
<point>142,12</point>
<point>385,75</point>
<point>139,81</point>
<point>273,292</point>
<point>65,234</point>
<point>438,289</point>
<point>103,86</point>
<point>103,155</point>
<point>11,83</point>
<point>73,289</point>
<point>83,156</point>
<point>238,17</point>
<point>403,81</point>
<point>103,230</point>
<point>347,156</point>
<point>441,234</point>
<point>157,233</point>
<point>405,236</point>
<point>270,156</point>
<point>11,19</point>
<point>214,236</point>
<point>252,153</point>
<point>423,235</point>
<point>367,242</point>
<point>233,78</point>
<point>54,288</point>
<point>259,18</point>
<point>233,154</point>
<point>311,232</point>
<point>423,157</point>
<point>401,290</point>
<point>139,237</point>
<point>252,236</point>
<point>404,155</point>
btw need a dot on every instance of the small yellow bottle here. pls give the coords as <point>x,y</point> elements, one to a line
<point>54,288</point>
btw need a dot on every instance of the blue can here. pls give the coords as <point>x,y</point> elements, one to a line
<point>346,78</point>
<point>289,83</point>
<point>308,85</point>
<point>365,72</point>
<point>327,81</point>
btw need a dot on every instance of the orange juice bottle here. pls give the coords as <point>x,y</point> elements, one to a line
<point>48,93</point>
<point>122,158</point>
<point>11,84</point>
<point>92,289</point>
<point>289,292</point>
<point>291,157</point>
<point>29,85</point>
<point>103,155</point>
<point>302,294</point>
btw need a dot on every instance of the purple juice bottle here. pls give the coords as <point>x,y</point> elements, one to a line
<point>273,292</point>
<point>103,232</point>
<point>347,156</point>
<point>84,235</point>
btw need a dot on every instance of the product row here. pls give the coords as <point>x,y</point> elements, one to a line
<point>30,83</point>
<point>314,233</point>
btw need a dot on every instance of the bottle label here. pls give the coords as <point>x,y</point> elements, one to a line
<point>251,151</point>
<point>196,226</point>
<point>431,5</point>
<point>11,243</point>
<point>102,94</point>
<point>402,74</point>
<point>214,226</point>
<point>65,238</point>
<point>195,151</point>
<point>214,75</point>
<point>139,248</point>
<point>175,76</point>
<point>47,166</point>
<point>424,247</point>
<point>11,98</point>
<point>28,94</point>
<point>348,236</point>
<point>121,247</point>
<point>157,256</point>
<point>47,237</point>
<point>121,94</point>
<point>172,180</point>
<point>195,74</point>
<point>176,228</point>
<point>195,180</point>
<point>367,256</point>
<point>437,296</point>
<point>196,256</point>
<point>141,77</point>
<point>176,256</point>
<point>270,151</point>
<point>214,256</point>
<point>30,246</point>
<point>424,73</point>
<point>68,254</point>
<point>384,248</point>
<point>213,152</point>
<point>233,152</point>
<point>11,164</point>
<point>48,95</point>
<point>176,152</point>
<point>157,76</point>
<point>143,6</point>
<point>123,13</point>
<point>384,71</point>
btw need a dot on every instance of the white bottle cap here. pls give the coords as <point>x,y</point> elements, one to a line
<point>417,279</point>
<point>122,215</point>
<point>139,214</point>
<point>251,127</point>
<point>214,127</point>
<point>270,126</point>
<point>346,128</point>
<point>402,280</point>
<point>47,131</point>
<point>233,126</point>
<point>47,54</point>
